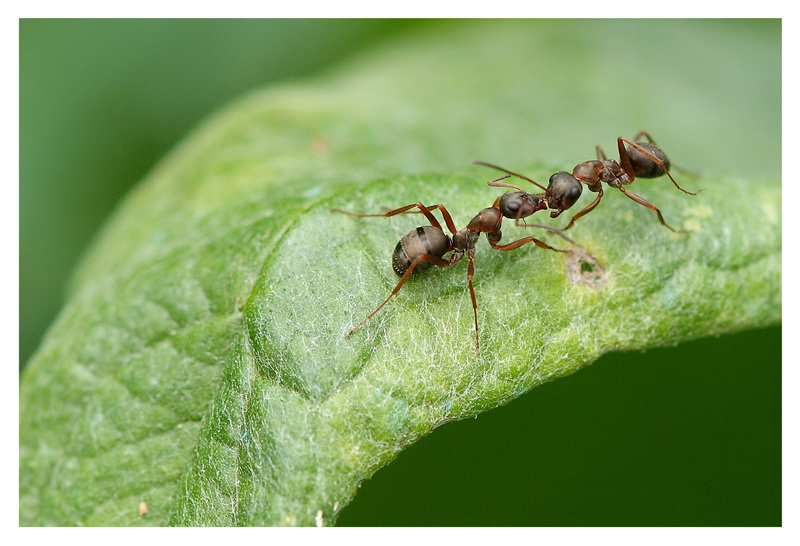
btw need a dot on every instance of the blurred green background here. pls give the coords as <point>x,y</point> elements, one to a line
<point>687,435</point>
<point>101,101</point>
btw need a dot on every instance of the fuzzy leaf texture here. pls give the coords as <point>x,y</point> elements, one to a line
<point>200,364</point>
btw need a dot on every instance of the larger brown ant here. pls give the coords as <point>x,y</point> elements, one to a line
<point>425,246</point>
<point>638,159</point>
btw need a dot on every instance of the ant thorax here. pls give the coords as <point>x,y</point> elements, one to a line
<point>465,239</point>
<point>613,174</point>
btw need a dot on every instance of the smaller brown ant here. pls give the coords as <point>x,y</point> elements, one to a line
<point>425,246</point>
<point>638,159</point>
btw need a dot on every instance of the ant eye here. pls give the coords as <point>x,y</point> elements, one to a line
<point>513,203</point>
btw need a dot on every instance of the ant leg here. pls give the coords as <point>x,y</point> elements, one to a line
<point>422,208</point>
<point>525,240</point>
<point>558,232</point>
<point>448,220</point>
<point>426,210</point>
<point>642,201</point>
<point>685,172</point>
<point>601,155</point>
<point>441,262</point>
<point>645,134</point>
<point>470,275</point>
<point>626,162</point>
<point>587,210</point>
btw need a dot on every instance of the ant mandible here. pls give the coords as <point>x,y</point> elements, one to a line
<point>425,246</point>
<point>638,159</point>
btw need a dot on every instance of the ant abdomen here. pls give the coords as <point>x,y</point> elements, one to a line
<point>645,167</point>
<point>417,242</point>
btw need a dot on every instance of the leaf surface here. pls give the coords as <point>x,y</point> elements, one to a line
<point>201,365</point>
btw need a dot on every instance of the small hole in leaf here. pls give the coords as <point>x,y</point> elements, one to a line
<point>583,268</point>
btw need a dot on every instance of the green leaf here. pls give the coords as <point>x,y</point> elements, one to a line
<point>200,365</point>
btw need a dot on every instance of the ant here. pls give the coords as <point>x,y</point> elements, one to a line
<point>425,246</point>
<point>638,159</point>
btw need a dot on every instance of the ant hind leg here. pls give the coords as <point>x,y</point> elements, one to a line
<point>441,262</point>
<point>470,275</point>
<point>645,203</point>
<point>424,209</point>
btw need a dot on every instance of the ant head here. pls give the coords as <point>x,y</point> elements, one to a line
<point>520,204</point>
<point>563,191</point>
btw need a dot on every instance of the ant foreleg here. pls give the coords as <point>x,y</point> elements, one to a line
<point>557,231</point>
<point>587,210</point>
<point>441,262</point>
<point>493,240</point>
<point>642,201</point>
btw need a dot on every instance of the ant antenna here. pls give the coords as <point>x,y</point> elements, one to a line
<point>510,173</point>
